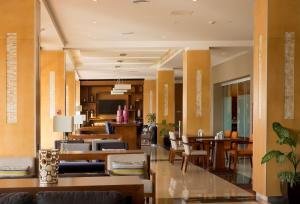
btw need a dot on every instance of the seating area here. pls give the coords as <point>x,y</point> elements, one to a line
<point>149,101</point>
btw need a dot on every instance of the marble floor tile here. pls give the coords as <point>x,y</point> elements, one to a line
<point>197,185</point>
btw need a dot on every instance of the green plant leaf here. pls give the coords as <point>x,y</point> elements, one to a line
<point>292,157</point>
<point>288,177</point>
<point>284,135</point>
<point>280,158</point>
<point>270,155</point>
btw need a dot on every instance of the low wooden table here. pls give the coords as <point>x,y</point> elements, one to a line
<point>127,185</point>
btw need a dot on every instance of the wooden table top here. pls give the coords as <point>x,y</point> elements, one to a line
<point>94,155</point>
<point>6,184</point>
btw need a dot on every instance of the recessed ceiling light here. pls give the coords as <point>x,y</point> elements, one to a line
<point>212,22</point>
<point>94,0</point>
<point>94,22</point>
<point>123,54</point>
<point>127,33</point>
<point>120,61</point>
<point>195,0</point>
<point>140,1</point>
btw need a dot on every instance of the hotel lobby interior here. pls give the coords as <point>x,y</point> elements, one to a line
<point>149,101</point>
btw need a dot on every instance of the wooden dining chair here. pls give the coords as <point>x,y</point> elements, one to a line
<point>227,144</point>
<point>175,148</point>
<point>189,154</point>
<point>236,153</point>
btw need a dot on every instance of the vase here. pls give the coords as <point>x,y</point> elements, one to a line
<point>48,166</point>
<point>119,115</point>
<point>125,115</point>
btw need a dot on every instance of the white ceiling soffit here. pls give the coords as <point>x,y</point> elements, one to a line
<point>51,39</point>
<point>102,30</point>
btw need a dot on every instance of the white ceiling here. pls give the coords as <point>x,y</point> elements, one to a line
<point>94,32</point>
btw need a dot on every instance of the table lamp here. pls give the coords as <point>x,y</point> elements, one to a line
<point>63,124</point>
<point>78,120</point>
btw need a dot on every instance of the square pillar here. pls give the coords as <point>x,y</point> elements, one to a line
<point>197,91</point>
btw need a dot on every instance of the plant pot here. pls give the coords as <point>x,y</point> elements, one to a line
<point>293,193</point>
<point>167,142</point>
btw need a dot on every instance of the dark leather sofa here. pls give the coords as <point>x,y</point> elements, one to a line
<point>82,197</point>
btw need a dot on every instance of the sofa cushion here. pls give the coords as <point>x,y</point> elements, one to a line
<point>82,197</point>
<point>16,198</point>
<point>14,173</point>
<point>17,166</point>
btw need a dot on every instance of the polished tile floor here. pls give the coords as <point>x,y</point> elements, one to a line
<point>195,186</point>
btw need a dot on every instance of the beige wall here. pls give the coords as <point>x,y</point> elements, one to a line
<point>165,77</point>
<point>51,61</point>
<point>236,68</point>
<point>20,17</point>
<point>194,60</point>
<point>71,84</point>
<point>149,85</point>
<point>272,19</point>
<point>239,67</point>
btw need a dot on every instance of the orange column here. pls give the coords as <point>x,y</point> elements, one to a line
<point>197,90</point>
<point>165,99</point>
<point>276,40</point>
<point>149,98</point>
<point>19,18</point>
<point>52,72</point>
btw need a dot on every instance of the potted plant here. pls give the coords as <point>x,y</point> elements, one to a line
<point>151,118</point>
<point>290,179</point>
<point>164,128</point>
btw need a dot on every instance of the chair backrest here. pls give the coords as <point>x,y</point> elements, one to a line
<point>234,134</point>
<point>250,145</point>
<point>75,146</point>
<point>227,133</point>
<point>108,128</point>
<point>112,145</point>
<point>173,140</point>
<point>187,148</point>
<point>95,143</point>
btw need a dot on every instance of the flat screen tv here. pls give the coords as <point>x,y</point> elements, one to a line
<point>109,107</point>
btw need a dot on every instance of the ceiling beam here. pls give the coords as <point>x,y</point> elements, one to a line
<point>160,44</point>
<point>54,22</point>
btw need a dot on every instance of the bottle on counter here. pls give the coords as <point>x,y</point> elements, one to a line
<point>119,115</point>
<point>125,114</point>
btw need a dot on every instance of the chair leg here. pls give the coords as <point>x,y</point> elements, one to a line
<point>251,162</point>
<point>173,157</point>
<point>182,162</point>
<point>170,152</point>
<point>186,161</point>
<point>235,161</point>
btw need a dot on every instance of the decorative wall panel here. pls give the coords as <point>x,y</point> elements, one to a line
<point>198,93</point>
<point>260,64</point>
<point>67,101</point>
<point>11,78</point>
<point>52,94</point>
<point>151,101</point>
<point>166,99</point>
<point>289,66</point>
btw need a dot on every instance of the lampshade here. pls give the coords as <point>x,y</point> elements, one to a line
<point>78,108</point>
<point>78,119</point>
<point>117,92</point>
<point>122,86</point>
<point>63,123</point>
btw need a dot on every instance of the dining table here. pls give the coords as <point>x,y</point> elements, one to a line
<point>218,147</point>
